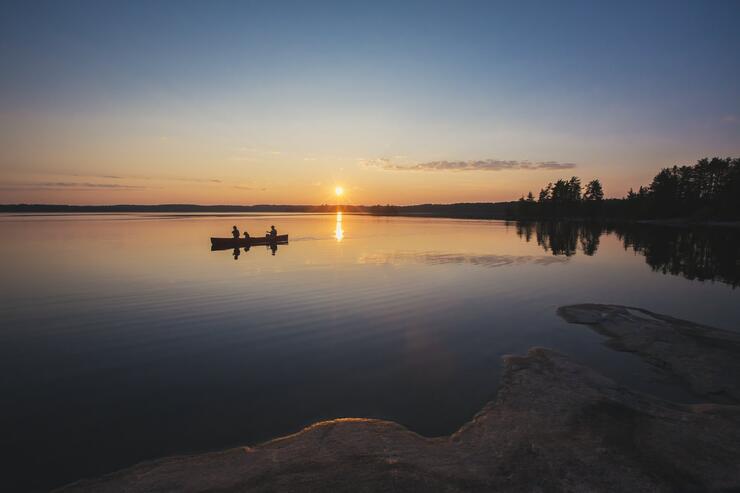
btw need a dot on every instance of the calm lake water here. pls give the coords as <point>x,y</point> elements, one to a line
<point>124,338</point>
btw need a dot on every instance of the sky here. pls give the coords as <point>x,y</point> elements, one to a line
<point>278,102</point>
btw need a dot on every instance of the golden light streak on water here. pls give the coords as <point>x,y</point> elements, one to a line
<point>339,231</point>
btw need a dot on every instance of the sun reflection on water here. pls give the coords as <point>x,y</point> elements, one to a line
<point>339,232</point>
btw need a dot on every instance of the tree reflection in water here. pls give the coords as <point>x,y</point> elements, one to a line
<point>703,254</point>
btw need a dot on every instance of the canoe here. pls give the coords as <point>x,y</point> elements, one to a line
<point>224,243</point>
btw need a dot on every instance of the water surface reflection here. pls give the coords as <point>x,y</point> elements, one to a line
<point>338,230</point>
<point>116,347</point>
<point>708,253</point>
<point>442,258</point>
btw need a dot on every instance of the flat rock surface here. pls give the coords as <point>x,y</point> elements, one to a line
<point>706,359</point>
<point>554,426</point>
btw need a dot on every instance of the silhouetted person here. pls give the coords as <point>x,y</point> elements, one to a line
<point>235,233</point>
<point>272,233</point>
<point>246,237</point>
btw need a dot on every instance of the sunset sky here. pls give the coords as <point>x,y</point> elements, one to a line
<point>398,102</point>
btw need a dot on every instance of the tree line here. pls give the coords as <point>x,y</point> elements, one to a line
<point>709,189</point>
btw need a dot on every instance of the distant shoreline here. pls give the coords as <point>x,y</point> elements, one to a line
<point>484,210</point>
<point>467,210</point>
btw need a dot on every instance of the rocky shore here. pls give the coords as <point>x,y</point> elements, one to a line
<point>706,359</point>
<point>554,426</point>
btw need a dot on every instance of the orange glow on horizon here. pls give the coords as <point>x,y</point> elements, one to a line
<point>301,187</point>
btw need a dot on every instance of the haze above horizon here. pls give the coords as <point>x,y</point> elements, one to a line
<point>423,102</point>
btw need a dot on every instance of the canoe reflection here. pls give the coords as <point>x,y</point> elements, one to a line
<point>237,251</point>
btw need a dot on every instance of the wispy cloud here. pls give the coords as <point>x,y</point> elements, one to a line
<point>254,189</point>
<point>52,186</point>
<point>196,180</point>
<point>73,184</point>
<point>110,177</point>
<point>148,177</point>
<point>476,165</point>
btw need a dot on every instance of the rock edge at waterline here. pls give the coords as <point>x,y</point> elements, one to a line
<point>706,359</point>
<point>555,425</point>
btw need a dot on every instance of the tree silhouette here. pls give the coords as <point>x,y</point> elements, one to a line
<point>594,192</point>
<point>708,189</point>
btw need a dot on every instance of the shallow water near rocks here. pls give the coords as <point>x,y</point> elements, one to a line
<point>124,338</point>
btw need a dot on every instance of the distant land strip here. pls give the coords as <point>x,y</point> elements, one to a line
<point>477,210</point>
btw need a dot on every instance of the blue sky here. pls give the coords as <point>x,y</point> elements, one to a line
<point>280,101</point>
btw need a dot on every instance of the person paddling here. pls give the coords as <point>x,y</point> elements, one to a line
<point>272,233</point>
<point>235,233</point>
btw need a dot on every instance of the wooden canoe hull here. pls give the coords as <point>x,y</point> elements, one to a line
<point>226,243</point>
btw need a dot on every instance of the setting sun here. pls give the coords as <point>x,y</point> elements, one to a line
<point>339,191</point>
